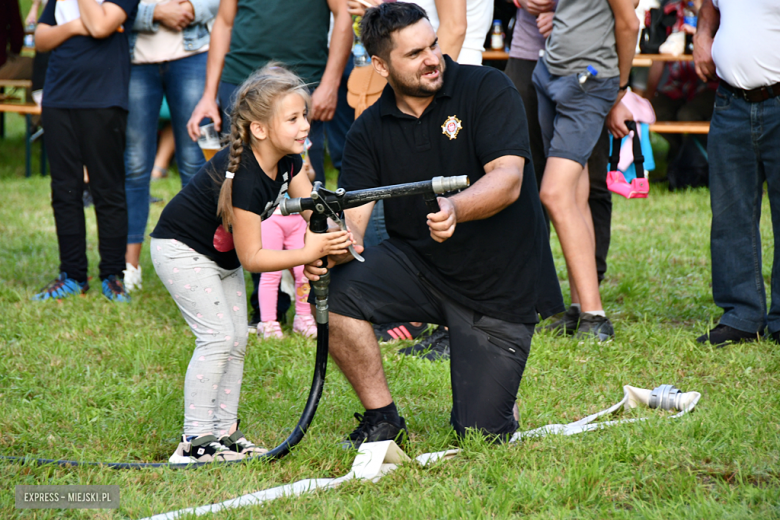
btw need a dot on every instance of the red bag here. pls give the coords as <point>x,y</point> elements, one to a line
<point>616,182</point>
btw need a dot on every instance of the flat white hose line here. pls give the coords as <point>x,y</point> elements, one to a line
<point>376,459</point>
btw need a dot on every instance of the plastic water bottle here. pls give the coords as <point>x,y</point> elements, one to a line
<point>497,36</point>
<point>29,35</point>
<point>689,14</point>
<point>360,55</point>
<point>591,72</point>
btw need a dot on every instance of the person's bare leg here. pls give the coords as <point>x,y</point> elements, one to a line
<point>355,350</point>
<point>166,147</point>
<point>560,186</point>
<point>133,254</point>
<point>581,195</point>
<point>575,296</point>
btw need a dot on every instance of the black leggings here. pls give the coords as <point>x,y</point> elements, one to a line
<point>488,355</point>
<point>94,138</point>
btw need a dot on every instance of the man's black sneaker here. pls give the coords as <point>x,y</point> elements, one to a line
<point>433,348</point>
<point>723,335</point>
<point>374,428</point>
<point>593,326</point>
<point>566,323</point>
<point>394,331</point>
<point>776,336</point>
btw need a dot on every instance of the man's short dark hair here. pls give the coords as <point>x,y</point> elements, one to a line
<point>381,21</point>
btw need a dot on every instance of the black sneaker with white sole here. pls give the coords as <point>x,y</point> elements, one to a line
<point>203,449</point>
<point>593,326</point>
<point>433,348</point>
<point>374,428</point>
<point>565,323</point>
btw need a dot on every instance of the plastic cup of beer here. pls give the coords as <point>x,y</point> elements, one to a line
<point>208,141</point>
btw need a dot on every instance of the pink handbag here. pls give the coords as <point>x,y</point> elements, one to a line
<point>616,182</point>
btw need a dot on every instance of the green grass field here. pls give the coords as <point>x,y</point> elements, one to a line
<point>90,380</point>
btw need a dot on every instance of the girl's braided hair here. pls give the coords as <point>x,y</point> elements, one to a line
<point>256,100</point>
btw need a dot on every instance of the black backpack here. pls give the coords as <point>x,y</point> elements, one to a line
<point>658,26</point>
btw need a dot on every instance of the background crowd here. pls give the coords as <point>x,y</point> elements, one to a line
<point>116,67</point>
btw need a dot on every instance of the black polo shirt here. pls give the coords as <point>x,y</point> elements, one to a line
<point>499,266</point>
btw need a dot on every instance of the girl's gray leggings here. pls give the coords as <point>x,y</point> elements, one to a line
<point>213,304</point>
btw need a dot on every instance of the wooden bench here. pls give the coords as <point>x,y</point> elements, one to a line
<point>21,108</point>
<point>681,127</point>
<point>28,110</point>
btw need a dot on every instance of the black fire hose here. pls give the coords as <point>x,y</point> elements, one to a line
<point>324,205</point>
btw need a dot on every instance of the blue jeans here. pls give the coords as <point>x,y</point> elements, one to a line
<point>744,152</point>
<point>337,128</point>
<point>376,232</point>
<point>182,82</point>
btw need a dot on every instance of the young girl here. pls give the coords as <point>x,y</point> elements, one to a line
<point>284,232</point>
<point>212,228</point>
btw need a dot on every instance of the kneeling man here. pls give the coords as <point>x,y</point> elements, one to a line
<point>481,265</point>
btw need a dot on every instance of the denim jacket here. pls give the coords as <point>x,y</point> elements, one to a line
<point>196,34</point>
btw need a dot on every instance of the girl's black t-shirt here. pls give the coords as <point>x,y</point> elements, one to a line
<point>191,217</point>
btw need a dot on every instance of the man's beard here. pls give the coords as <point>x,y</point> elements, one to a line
<point>406,87</point>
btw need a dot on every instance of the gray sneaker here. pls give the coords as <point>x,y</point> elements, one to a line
<point>566,324</point>
<point>596,327</point>
<point>239,444</point>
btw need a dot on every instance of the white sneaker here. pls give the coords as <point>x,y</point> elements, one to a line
<point>132,278</point>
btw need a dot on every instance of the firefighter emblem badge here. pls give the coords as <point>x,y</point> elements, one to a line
<point>452,125</point>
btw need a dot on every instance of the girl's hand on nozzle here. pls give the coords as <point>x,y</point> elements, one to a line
<point>318,245</point>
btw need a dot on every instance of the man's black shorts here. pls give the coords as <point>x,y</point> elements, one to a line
<point>488,355</point>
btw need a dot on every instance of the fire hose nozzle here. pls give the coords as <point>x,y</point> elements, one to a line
<point>445,184</point>
<point>290,206</point>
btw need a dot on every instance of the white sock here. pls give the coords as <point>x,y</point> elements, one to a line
<point>576,306</point>
<point>596,313</point>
